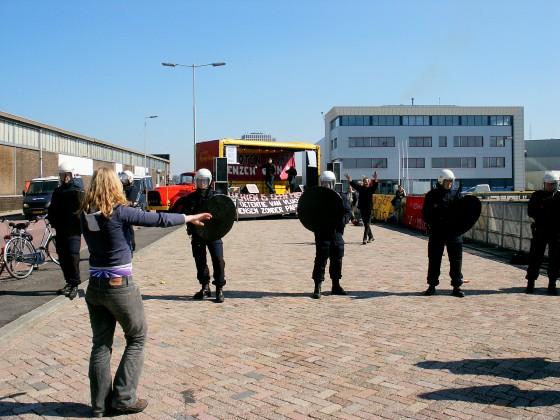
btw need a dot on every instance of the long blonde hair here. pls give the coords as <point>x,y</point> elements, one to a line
<point>104,193</point>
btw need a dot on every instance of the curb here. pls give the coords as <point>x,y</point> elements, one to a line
<point>51,306</point>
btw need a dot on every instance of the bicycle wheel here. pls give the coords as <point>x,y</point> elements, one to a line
<point>51,250</point>
<point>19,257</point>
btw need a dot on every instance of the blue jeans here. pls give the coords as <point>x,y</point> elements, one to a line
<point>107,306</point>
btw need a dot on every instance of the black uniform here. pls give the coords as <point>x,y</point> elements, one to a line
<point>196,203</point>
<point>544,208</point>
<point>132,193</point>
<point>330,244</point>
<point>65,203</point>
<point>437,215</point>
<point>269,172</point>
<point>365,205</point>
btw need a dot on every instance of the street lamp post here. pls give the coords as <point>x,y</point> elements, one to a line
<point>193,67</point>
<point>145,142</point>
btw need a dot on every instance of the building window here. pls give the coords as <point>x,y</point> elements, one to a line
<point>333,124</point>
<point>468,141</point>
<point>365,163</point>
<point>419,142</point>
<point>413,163</point>
<point>385,120</point>
<point>445,120</point>
<point>415,120</point>
<point>494,162</point>
<point>442,141</point>
<point>501,120</point>
<point>499,141</point>
<point>474,120</point>
<point>334,143</point>
<point>371,142</point>
<point>454,162</point>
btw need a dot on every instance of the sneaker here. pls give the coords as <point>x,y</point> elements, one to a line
<point>219,295</point>
<point>371,240</point>
<point>205,291</point>
<point>457,292</point>
<point>72,293</point>
<point>364,242</point>
<point>139,406</point>
<point>431,290</point>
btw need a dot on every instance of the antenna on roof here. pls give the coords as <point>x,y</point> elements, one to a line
<point>412,100</point>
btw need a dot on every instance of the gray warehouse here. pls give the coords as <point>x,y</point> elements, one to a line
<point>29,149</point>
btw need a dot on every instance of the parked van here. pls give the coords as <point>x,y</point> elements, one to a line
<point>37,198</point>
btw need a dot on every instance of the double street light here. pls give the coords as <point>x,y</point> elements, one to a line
<point>193,67</point>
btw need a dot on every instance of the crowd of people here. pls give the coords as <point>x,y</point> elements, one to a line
<point>105,215</point>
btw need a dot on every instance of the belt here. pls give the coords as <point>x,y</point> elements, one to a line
<point>107,283</point>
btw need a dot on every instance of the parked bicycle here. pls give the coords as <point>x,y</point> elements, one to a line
<point>20,257</point>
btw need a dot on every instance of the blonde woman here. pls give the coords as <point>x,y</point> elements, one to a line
<point>112,296</point>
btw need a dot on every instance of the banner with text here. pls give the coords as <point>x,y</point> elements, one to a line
<point>260,205</point>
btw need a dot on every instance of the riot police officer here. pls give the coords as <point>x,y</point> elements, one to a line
<point>64,218</point>
<point>544,208</point>
<point>193,204</point>
<point>436,213</point>
<point>329,244</point>
<point>131,193</point>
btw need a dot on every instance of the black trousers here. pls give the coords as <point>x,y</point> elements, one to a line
<point>328,246</point>
<point>270,185</point>
<point>68,250</point>
<point>216,249</point>
<point>536,255</point>
<point>366,218</point>
<point>436,245</point>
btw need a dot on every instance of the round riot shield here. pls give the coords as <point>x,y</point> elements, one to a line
<point>465,213</point>
<point>223,213</point>
<point>320,208</point>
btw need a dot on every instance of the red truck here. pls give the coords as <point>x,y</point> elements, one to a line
<point>165,198</point>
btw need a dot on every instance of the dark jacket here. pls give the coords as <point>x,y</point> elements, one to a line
<point>292,173</point>
<point>106,238</point>
<point>544,208</point>
<point>269,170</point>
<point>436,207</point>
<point>196,202</point>
<point>365,197</point>
<point>63,211</point>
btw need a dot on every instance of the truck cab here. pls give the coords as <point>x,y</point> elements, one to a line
<point>164,198</point>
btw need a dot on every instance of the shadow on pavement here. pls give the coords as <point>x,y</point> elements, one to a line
<point>46,409</point>
<point>28,293</point>
<point>515,368</point>
<point>502,395</point>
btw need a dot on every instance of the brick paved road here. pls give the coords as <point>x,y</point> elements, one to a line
<point>270,351</point>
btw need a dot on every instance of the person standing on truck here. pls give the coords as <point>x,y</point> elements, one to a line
<point>269,172</point>
<point>544,209</point>
<point>63,217</point>
<point>292,184</point>
<point>195,203</point>
<point>365,202</point>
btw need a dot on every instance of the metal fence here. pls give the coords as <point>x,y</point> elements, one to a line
<point>504,224</point>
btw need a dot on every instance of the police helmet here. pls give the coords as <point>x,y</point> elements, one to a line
<point>327,179</point>
<point>203,178</point>
<point>66,168</point>
<point>551,178</point>
<point>446,175</point>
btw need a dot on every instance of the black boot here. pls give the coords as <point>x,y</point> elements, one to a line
<point>337,288</point>
<point>72,293</point>
<point>431,290</point>
<point>530,287</point>
<point>552,288</point>
<point>457,292</point>
<point>65,290</point>
<point>219,295</point>
<point>317,292</point>
<point>204,291</point>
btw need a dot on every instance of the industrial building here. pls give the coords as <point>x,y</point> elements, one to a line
<point>29,149</point>
<point>411,144</point>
